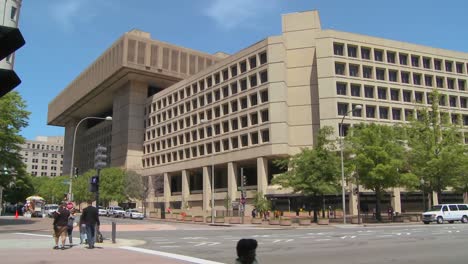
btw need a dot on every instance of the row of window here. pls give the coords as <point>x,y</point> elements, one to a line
<point>244,102</point>
<point>392,75</point>
<point>394,113</point>
<point>214,79</point>
<point>44,147</point>
<point>44,155</point>
<point>34,173</point>
<point>402,58</point>
<point>35,167</point>
<point>44,161</point>
<point>398,95</point>
<point>243,122</point>
<point>232,143</point>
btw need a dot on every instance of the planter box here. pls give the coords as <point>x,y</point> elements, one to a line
<point>285,222</point>
<point>219,220</point>
<point>235,220</point>
<point>154,215</point>
<point>256,221</point>
<point>188,218</point>
<point>274,221</point>
<point>304,221</point>
<point>179,218</point>
<point>198,219</point>
<point>323,221</point>
<point>415,218</point>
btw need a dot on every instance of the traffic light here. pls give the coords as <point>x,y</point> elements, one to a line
<point>244,180</point>
<point>10,40</point>
<point>76,171</point>
<point>100,157</point>
<point>94,184</point>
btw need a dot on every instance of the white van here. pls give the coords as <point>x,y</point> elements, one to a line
<point>446,212</point>
<point>49,209</point>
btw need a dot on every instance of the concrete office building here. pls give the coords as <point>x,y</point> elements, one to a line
<point>176,112</point>
<point>9,17</point>
<point>43,156</point>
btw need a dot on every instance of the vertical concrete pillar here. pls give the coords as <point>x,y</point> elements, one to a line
<point>185,188</point>
<point>232,183</point>
<point>167,190</point>
<point>435,198</point>
<point>262,174</point>
<point>353,201</point>
<point>396,200</point>
<point>206,189</point>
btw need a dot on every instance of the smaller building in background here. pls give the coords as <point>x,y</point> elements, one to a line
<point>43,156</point>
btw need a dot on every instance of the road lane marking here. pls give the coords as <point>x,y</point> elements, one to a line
<point>28,234</point>
<point>172,255</point>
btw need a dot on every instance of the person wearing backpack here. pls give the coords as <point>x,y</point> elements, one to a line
<point>90,217</point>
<point>70,224</point>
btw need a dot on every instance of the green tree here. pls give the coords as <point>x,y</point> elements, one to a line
<point>81,184</point>
<point>111,185</point>
<point>136,187</point>
<point>13,117</point>
<point>261,203</point>
<point>52,190</point>
<point>18,190</point>
<point>378,159</point>
<point>437,154</point>
<point>312,172</point>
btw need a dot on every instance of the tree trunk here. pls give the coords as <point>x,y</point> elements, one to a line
<point>465,197</point>
<point>323,206</point>
<point>378,207</point>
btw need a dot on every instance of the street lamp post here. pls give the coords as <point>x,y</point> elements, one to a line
<point>204,121</point>
<point>343,192</point>
<point>107,118</point>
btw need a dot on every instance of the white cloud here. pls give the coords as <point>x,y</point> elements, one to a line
<point>68,13</point>
<point>229,14</point>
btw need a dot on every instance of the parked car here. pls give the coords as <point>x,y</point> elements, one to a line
<point>49,209</point>
<point>115,211</point>
<point>102,211</point>
<point>446,212</point>
<point>133,214</point>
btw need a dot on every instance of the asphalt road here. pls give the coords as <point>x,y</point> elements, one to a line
<point>342,244</point>
<point>415,244</point>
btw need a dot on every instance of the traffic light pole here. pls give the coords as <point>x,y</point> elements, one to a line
<point>97,190</point>
<point>242,196</point>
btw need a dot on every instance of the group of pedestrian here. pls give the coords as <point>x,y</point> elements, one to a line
<point>64,222</point>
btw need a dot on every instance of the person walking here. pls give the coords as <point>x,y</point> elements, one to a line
<point>83,237</point>
<point>254,212</point>
<point>70,224</point>
<point>246,251</point>
<point>90,217</point>
<point>60,226</point>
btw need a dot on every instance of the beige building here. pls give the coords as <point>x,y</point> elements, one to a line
<point>43,156</point>
<point>176,112</point>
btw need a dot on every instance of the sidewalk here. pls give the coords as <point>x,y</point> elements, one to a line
<point>19,245</point>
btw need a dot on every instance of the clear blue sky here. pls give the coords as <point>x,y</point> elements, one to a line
<point>64,36</point>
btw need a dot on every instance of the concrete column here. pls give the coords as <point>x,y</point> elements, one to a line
<point>396,200</point>
<point>232,183</point>
<point>262,174</point>
<point>353,201</point>
<point>167,190</point>
<point>435,198</point>
<point>185,188</point>
<point>465,197</point>
<point>206,189</point>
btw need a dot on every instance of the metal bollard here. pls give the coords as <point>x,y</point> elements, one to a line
<point>113,232</point>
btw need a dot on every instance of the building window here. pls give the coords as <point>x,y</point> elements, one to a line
<point>339,68</point>
<point>355,90</point>
<point>265,135</point>
<point>443,100</point>
<point>243,66</point>
<point>365,53</point>
<point>396,114</point>
<point>342,109</point>
<point>367,72</point>
<point>338,49</point>
<point>254,118</point>
<point>234,105</point>
<point>428,80</point>
<point>253,62</point>
<point>429,98</point>
<point>13,13</point>
<point>234,71</point>
<point>225,90</point>
<point>263,77</point>
<point>382,93</point>
<point>405,77</point>
<point>244,121</point>
<point>449,66</point>
<point>370,111</point>
<point>253,99</point>
<point>264,96</point>
<point>243,102</point>
<point>263,58</point>
<point>235,142</point>
<point>418,97</point>
<point>409,114</point>
<point>453,101</point>
<point>426,63</point>
<point>234,124</point>
<point>340,88</point>
<point>463,102</point>
<point>450,83</point>
<point>378,55</point>
<point>437,64</point>
<point>264,115</point>
<point>254,138</point>
<point>406,96</point>
<point>403,58</point>
<point>395,95</point>
<point>459,67</point>
<point>253,80</point>
<point>369,91</point>
<point>352,51</point>
<point>383,112</point>
<point>392,75</point>
<point>356,112</point>
<point>414,61</point>
<point>244,140</point>
<point>354,70</point>
<point>391,57</point>
<point>440,82</point>
<point>461,85</point>
<point>416,79</point>
<point>243,84</point>
<point>233,88</point>
<point>380,74</point>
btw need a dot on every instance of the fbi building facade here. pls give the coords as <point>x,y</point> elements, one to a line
<point>177,112</point>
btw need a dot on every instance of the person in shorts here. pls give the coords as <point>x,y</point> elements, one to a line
<point>60,226</point>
